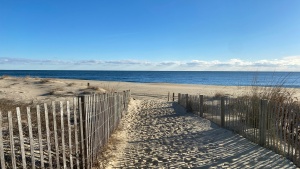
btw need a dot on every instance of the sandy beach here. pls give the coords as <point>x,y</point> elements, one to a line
<point>37,90</point>
<point>155,133</point>
<point>160,134</point>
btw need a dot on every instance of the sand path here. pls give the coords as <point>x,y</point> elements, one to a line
<point>162,135</point>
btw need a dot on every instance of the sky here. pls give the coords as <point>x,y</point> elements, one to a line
<point>200,35</point>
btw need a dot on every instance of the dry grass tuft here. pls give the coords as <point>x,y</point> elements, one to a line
<point>56,91</point>
<point>4,77</point>
<point>218,95</point>
<point>275,91</point>
<point>45,80</point>
<point>71,84</point>
<point>111,88</point>
<point>94,88</point>
<point>10,105</point>
<point>27,77</point>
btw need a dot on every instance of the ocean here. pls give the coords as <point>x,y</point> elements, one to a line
<point>225,78</point>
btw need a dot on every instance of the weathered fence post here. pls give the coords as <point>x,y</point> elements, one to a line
<point>262,122</point>
<point>2,159</point>
<point>187,101</point>
<point>222,111</point>
<point>124,100</point>
<point>12,142</point>
<point>55,134</point>
<point>173,97</point>
<point>201,105</point>
<point>21,137</point>
<point>168,96</point>
<point>179,95</point>
<point>40,140</point>
<point>83,140</point>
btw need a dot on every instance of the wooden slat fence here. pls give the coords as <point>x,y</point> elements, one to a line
<point>271,124</point>
<point>67,134</point>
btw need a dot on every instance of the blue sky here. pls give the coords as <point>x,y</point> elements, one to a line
<point>150,35</point>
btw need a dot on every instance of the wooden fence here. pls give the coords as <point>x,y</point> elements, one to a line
<point>60,135</point>
<point>274,125</point>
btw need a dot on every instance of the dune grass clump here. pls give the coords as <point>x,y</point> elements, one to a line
<point>218,95</point>
<point>281,102</point>
<point>56,91</point>
<point>10,105</point>
<point>4,77</point>
<point>94,87</point>
<point>111,88</point>
<point>44,80</point>
<point>275,91</point>
<point>71,84</point>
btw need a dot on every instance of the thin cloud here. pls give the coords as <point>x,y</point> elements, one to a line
<point>6,60</point>
<point>290,63</point>
<point>87,62</point>
<point>127,62</point>
<point>169,63</point>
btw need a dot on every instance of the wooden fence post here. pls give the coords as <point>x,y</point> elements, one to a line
<point>173,97</point>
<point>69,133</point>
<point>82,113</point>
<point>38,115</point>
<point>55,133</point>
<point>75,111</point>
<point>21,137</point>
<point>62,128</point>
<point>12,142</point>
<point>48,135</point>
<point>187,101</point>
<point>124,100</point>
<point>2,159</point>
<point>179,95</point>
<point>262,122</point>
<point>168,96</point>
<point>201,105</point>
<point>222,111</point>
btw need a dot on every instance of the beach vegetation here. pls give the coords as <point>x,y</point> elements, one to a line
<point>4,77</point>
<point>281,102</point>
<point>9,105</point>
<point>45,80</point>
<point>56,91</point>
<point>111,88</point>
<point>94,87</point>
<point>218,95</point>
<point>71,84</point>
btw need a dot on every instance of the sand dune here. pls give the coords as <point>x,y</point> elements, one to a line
<point>32,89</point>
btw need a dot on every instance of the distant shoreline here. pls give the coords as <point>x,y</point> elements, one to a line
<point>253,71</point>
<point>219,78</point>
<point>30,89</point>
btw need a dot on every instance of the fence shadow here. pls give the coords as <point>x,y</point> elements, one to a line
<point>273,125</point>
<point>198,144</point>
